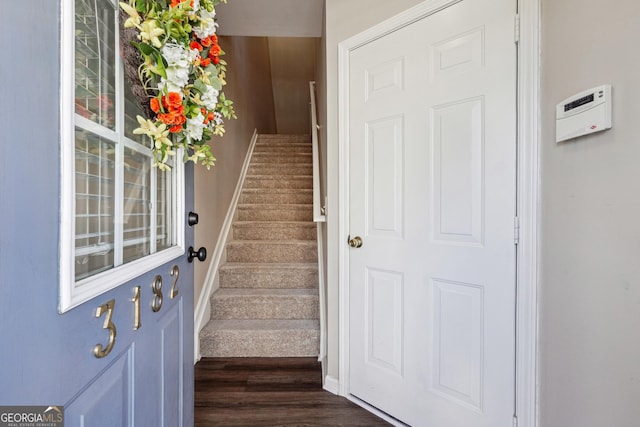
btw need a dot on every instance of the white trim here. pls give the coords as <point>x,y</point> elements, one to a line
<point>202,313</point>
<point>343,215</point>
<point>67,183</point>
<point>527,398</point>
<point>322,292</point>
<point>331,384</point>
<point>528,189</point>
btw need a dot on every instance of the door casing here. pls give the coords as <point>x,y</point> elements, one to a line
<point>526,34</point>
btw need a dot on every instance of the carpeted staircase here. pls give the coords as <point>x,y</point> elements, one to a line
<point>267,303</point>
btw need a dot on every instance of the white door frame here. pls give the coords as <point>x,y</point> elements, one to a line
<point>527,193</point>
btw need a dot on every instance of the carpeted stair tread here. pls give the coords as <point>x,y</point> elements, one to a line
<point>275,212</point>
<point>283,138</point>
<point>269,275</point>
<point>272,230</point>
<point>263,324</point>
<point>260,338</point>
<point>286,158</point>
<point>283,147</point>
<point>283,181</point>
<point>229,303</point>
<point>281,170</point>
<point>276,196</point>
<point>272,251</point>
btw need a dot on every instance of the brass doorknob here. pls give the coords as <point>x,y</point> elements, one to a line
<point>356,242</point>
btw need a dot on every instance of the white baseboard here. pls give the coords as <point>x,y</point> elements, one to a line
<point>202,312</point>
<point>331,384</point>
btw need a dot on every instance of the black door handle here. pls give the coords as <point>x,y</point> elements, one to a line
<point>201,254</point>
<point>192,219</point>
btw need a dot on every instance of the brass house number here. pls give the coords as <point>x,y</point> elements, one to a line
<point>107,308</point>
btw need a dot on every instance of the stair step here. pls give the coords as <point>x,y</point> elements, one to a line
<point>281,169</point>
<point>276,195</point>
<point>260,338</point>
<point>272,251</point>
<point>271,276</point>
<point>275,212</point>
<point>279,138</point>
<point>299,158</point>
<point>269,230</point>
<point>282,147</point>
<point>228,303</point>
<point>269,181</point>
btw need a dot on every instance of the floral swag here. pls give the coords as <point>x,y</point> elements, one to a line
<point>173,62</point>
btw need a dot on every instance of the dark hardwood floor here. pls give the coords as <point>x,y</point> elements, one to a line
<point>257,392</point>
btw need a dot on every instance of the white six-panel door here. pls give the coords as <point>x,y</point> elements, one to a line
<point>432,151</point>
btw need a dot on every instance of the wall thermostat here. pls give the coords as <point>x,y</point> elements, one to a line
<point>584,113</point>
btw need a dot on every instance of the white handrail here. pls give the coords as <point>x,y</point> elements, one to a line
<point>318,209</point>
<point>319,218</point>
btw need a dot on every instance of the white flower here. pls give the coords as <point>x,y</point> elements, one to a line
<point>210,98</point>
<point>175,54</point>
<point>207,25</point>
<point>192,55</point>
<point>195,127</point>
<point>177,79</point>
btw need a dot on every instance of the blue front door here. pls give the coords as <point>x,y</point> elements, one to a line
<point>46,358</point>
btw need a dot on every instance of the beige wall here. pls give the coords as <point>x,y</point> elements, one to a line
<point>344,19</point>
<point>249,86</point>
<point>590,235</point>
<point>293,66</point>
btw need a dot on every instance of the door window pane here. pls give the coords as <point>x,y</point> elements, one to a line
<point>95,204</point>
<point>137,205</point>
<point>95,64</point>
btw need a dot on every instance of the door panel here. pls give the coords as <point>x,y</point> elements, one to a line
<point>432,194</point>
<point>47,357</point>
<point>172,377</point>
<point>109,399</point>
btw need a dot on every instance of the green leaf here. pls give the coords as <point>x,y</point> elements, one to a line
<point>200,86</point>
<point>144,48</point>
<point>160,65</point>
<point>215,82</point>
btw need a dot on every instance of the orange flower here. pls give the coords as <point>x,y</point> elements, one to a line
<point>195,45</point>
<point>175,129</point>
<point>214,53</point>
<point>205,62</point>
<point>155,104</point>
<point>206,42</point>
<point>174,99</point>
<point>172,119</point>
